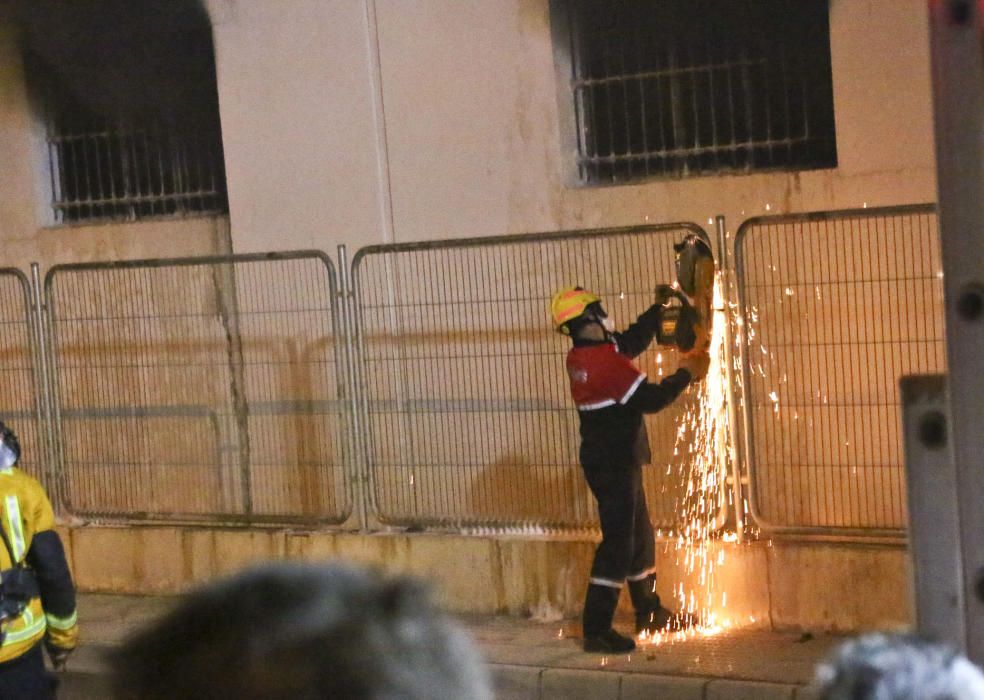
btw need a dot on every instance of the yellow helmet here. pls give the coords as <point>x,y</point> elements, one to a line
<point>568,304</point>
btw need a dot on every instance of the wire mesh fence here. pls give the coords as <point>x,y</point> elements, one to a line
<point>836,307</point>
<point>468,417</point>
<point>216,389</point>
<point>19,407</point>
<point>200,389</point>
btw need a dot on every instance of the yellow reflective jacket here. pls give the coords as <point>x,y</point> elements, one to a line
<point>27,520</point>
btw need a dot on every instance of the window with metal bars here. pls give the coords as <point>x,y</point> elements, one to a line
<point>128,164</point>
<point>678,88</point>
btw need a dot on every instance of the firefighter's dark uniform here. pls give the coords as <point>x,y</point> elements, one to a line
<point>36,593</point>
<point>612,395</point>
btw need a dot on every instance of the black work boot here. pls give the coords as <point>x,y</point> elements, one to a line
<point>650,615</point>
<point>609,642</point>
<point>599,609</point>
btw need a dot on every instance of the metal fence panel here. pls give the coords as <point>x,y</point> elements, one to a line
<point>201,389</point>
<point>467,409</point>
<point>21,393</point>
<point>836,307</point>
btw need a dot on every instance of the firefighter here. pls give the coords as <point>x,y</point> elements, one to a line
<point>611,396</point>
<point>37,596</point>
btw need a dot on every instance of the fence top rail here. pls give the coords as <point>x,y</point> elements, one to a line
<point>16,271</point>
<point>187,262</point>
<point>832,215</point>
<point>525,238</point>
<point>25,285</point>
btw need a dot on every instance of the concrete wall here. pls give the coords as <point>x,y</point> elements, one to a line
<point>378,120</point>
<point>361,121</point>
<point>820,587</point>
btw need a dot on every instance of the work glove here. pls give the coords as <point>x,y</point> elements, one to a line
<point>696,363</point>
<point>58,655</point>
<point>664,293</point>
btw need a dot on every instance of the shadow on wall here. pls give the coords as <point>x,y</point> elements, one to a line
<point>513,488</point>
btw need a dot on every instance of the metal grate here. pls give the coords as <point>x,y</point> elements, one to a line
<point>687,87</point>
<point>201,389</point>
<point>120,162</point>
<point>116,170</point>
<point>836,307</point>
<point>468,413</point>
<point>20,395</point>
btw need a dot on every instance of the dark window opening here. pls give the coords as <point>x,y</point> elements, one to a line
<point>674,88</point>
<point>130,108</point>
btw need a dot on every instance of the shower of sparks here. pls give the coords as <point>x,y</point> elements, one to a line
<point>702,440</point>
<point>701,459</point>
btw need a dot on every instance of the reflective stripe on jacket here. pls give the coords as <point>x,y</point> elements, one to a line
<point>26,514</point>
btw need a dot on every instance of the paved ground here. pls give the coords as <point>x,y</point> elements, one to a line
<point>539,661</point>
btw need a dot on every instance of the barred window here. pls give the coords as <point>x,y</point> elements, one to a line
<point>130,111</point>
<point>676,88</point>
<point>104,168</point>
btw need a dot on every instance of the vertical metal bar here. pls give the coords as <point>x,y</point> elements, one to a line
<point>126,169</point>
<point>361,396</point>
<point>74,208</point>
<point>958,97</point>
<point>98,190</point>
<point>162,137</point>
<point>148,189</point>
<point>748,102</point>
<point>785,98</point>
<point>678,127</point>
<point>744,361</point>
<point>623,82</point>
<point>712,100</point>
<point>641,81</point>
<point>693,71</point>
<point>733,143</point>
<point>179,159</point>
<point>729,374</point>
<point>112,139</point>
<point>582,103</point>
<point>56,171</point>
<point>765,99</point>
<point>30,314</point>
<point>609,91</point>
<point>46,400</point>
<point>934,532</point>
<point>356,468</point>
<point>89,195</point>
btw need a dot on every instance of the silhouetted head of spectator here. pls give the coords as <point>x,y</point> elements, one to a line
<point>897,667</point>
<point>302,632</point>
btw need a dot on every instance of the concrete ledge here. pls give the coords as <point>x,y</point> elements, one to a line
<point>748,690</point>
<point>571,684</point>
<point>532,683</point>
<point>639,687</point>
<point>516,682</point>
<point>760,585</point>
<point>805,693</point>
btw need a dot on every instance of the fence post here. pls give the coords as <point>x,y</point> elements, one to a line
<point>727,294</point>
<point>53,471</point>
<point>956,48</point>
<point>934,525</point>
<point>353,448</point>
